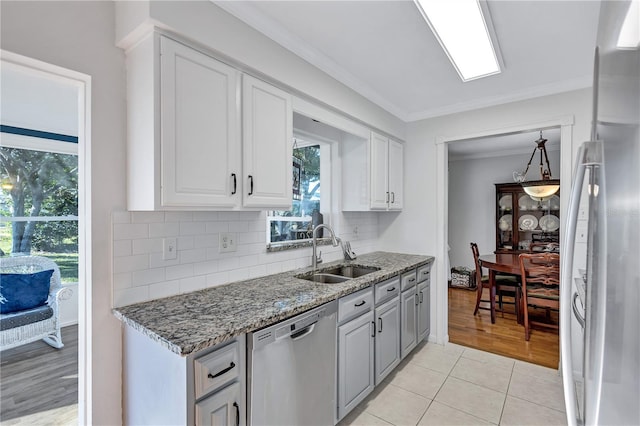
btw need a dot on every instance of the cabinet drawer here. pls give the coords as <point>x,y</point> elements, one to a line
<point>424,272</point>
<point>408,279</point>
<point>387,290</point>
<point>216,369</point>
<point>355,304</point>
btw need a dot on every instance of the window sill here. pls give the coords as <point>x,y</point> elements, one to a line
<point>295,244</point>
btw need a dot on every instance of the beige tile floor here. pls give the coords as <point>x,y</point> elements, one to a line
<point>454,385</point>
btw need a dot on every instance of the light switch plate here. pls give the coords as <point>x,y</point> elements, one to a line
<point>228,242</point>
<point>169,248</point>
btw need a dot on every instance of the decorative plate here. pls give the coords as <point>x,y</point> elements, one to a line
<point>549,223</point>
<point>505,202</point>
<point>525,203</point>
<point>505,223</point>
<point>528,222</point>
<point>554,202</point>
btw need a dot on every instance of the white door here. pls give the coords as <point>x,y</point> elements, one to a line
<point>267,144</point>
<point>200,149</point>
<point>387,338</point>
<point>396,161</point>
<point>424,311</point>
<point>379,171</point>
<point>408,335</point>
<point>355,362</point>
<point>220,409</point>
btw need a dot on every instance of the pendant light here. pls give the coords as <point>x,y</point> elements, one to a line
<point>546,186</point>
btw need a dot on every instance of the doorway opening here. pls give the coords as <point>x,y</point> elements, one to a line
<point>45,212</point>
<point>477,209</point>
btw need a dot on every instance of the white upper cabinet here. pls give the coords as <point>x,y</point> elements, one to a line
<point>372,171</point>
<point>267,144</point>
<point>200,145</point>
<point>201,135</point>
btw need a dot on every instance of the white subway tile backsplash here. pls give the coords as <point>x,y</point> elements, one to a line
<point>140,273</point>
<point>147,217</point>
<point>130,231</point>
<point>121,248</point>
<point>179,272</point>
<point>166,229</point>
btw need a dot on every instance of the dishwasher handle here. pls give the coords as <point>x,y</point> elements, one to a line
<point>304,332</point>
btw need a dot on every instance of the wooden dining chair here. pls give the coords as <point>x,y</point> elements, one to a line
<point>506,285</point>
<point>540,286</point>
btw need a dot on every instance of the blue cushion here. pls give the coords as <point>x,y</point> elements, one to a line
<point>24,291</point>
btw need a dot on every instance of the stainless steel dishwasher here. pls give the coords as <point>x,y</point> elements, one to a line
<point>292,370</point>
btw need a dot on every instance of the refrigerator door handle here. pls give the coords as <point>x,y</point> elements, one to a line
<point>565,288</point>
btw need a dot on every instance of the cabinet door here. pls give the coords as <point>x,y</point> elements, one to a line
<point>424,310</point>
<point>355,362</point>
<point>267,145</point>
<point>200,150</point>
<point>387,338</point>
<point>379,171</point>
<point>408,334</point>
<point>396,161</point>
<point>220,409</point>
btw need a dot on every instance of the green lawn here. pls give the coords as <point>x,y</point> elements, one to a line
<point>68,264</point>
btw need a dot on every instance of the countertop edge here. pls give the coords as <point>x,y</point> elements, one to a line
<point>261,322</point>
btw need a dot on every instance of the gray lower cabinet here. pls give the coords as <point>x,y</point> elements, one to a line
<point>424,311</point>
<point>222,408</point>
<point>387,354</point>
<point>408,328</point>
<point>355,362</point>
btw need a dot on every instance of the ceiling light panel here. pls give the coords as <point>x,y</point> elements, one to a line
<point>629,37</point>
<point>462,31</point>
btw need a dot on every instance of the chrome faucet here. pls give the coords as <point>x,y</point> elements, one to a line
<point>334,241</point>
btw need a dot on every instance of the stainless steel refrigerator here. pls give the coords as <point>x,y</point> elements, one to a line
<point>600,302</point>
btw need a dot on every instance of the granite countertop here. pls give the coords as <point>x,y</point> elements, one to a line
<point>191,322</point>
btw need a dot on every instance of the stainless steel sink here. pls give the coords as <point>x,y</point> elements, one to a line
<point>338,274</point>
<point>325,278</point>
<point>350,271</point>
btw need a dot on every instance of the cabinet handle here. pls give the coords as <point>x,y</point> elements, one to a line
<point>421,297</point>
<point>250,185</point>
<point>235,183</point>
<point>379,325</point>
<point>391,289</point>
<point>411,280</point>
<point>373,333</point>
<point>220,373</point>
<point>237,407</point>
<point>393,197</point>
<point>417,300</point>
<point>360,304</point>
<point>387,196</point>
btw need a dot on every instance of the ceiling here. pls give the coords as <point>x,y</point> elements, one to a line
<point>385,51</point>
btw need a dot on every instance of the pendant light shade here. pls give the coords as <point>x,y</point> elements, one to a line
<point>546,186</point>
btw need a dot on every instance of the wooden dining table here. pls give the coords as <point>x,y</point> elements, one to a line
<point>506,263</point>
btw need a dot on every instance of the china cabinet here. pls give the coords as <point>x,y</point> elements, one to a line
<point>520,220</point>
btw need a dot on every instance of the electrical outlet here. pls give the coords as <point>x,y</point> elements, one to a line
<point>355,232</point>
<point>169,248</point>
<point>228,242</point>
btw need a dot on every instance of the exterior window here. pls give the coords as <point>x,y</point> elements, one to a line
<point>296,224</point>
<point>39,205</point>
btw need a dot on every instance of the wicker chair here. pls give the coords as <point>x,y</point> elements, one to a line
<point>30,325</point>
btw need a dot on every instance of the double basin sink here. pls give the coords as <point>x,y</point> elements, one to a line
<point>337,274</point>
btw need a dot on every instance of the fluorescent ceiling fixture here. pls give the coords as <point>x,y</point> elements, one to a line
<point>462,31</point>
<point>629,37</point>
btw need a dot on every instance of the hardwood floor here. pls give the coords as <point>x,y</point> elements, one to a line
<point>39,384</point>
<point>505,337</point>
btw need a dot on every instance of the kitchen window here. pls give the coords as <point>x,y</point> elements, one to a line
<point>293,228</point>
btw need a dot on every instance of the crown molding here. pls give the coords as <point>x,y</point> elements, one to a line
<point>520,95</point>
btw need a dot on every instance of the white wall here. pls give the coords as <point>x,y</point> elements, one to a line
<point>472,194</point>
<point>79,36</point>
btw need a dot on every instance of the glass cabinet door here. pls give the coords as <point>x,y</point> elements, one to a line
<point>504,226</point>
